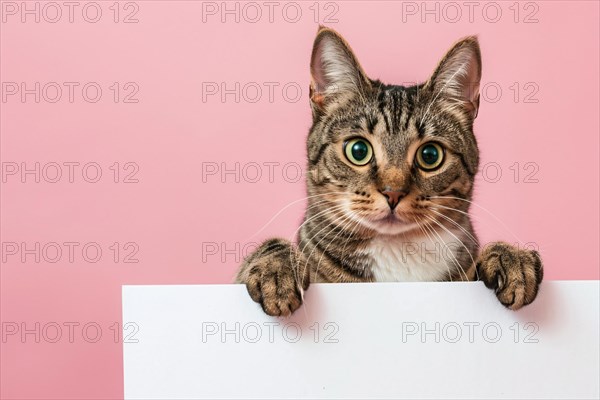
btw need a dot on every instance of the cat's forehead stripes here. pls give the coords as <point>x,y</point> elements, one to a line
<point>396,104</point>
<point>372,121</point>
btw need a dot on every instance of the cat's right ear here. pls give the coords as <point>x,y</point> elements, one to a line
<point>335,71</point>
<point>458,75</point>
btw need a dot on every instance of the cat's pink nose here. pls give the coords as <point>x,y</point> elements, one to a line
<point>393,197</point>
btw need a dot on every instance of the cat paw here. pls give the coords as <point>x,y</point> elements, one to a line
<point>515,274</point>
<point>272,278</point>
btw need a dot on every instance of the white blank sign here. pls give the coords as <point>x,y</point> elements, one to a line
<point>380,340</point>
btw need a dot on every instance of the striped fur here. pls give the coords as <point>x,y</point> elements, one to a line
<point>353,231</point>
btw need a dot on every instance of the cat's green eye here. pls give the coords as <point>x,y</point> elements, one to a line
<point>430,156</point>
<point>358,151</point>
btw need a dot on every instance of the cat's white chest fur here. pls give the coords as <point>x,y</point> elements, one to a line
<point>420,259</point>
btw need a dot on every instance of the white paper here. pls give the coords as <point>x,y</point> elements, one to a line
<point>381,340</point>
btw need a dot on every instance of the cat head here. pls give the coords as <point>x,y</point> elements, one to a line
<point>388,156</point>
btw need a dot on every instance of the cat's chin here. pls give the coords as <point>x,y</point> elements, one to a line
<point>391,225</point>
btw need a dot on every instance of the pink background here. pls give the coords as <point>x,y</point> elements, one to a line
<point>179,222</point>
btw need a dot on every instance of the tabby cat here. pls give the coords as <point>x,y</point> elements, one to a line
<point>390,178</point>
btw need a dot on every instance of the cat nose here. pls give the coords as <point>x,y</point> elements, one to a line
<point>393,196</point>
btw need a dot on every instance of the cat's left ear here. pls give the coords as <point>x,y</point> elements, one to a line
<point>458,75</point>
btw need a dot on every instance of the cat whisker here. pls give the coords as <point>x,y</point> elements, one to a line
<point>445,244</point>
<point>474,240</point>
<point>352,231</point>
<point>331,209</point>
<point>459,241</point>
<point>481,207</point>
<point>432,242</point>
<point>454,209</point>
<point>354,228</point>
<point>342,218</point>
<point>346,223</point>
<point>459,226</point>
<point>320,213</point>
<point>518,242</point>
<point>289,205</point>
<point>438,207</point>
<point>323,212</point>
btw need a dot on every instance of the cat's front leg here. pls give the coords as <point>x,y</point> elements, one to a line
<point>275,276</point>
<point>515,274</point>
